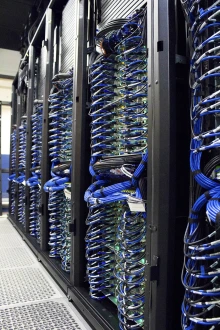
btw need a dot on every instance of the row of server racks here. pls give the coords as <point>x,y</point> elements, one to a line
<point>98,182</point>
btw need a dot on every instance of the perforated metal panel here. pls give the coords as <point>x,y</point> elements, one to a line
<point>5,226</point>
<point>111,9</point>
<point>43,316</point>
<point>68,36</point>
<point>29,298</point>
<point>15,257</point>
<point>24,285</point>
<point>42,72</point>
<point>15,241</point>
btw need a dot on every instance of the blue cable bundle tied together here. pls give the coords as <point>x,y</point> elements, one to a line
<point>100,241</point>
<point>22,165</point>
<point>13,150</point>
<point>201,272</point>
<point>36,149</point>
<point>21,198</point>
<point>34,226</point>
<point>56,199</point>
<point>60,151</point>
<point>22,144</point>
<point>66,237</point>
<point>61,119</point>
<point>130,268</point>
<point>35,181</point>
<point>35,203</point>
<point>12,191</point>
<point>116,236</point>
<point>13,167</point>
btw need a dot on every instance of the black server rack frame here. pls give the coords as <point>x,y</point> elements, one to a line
<point>161,57</point>
<point>168,172</point>
<point>45,35</point>
<point>54,267</point>
<point>100,316</point>
<point>18,122</point>
<point>161,166</point>
<point>13,123</point>
<point>29,61</point>
<point>30,103</point>
<point>161,68</point>
<point>2,170</point>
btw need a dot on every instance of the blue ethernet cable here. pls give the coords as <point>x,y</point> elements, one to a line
<point>60,152</point>
<point>13,168</point>
<point>22,166</point>
<point>200,274</point>
<point>34,182</point>
<point>116,237</point>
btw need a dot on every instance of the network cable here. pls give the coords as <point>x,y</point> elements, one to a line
<point>22,167</point>
<point>116,235</point>
<point>13,168</point>
<point>60,151</point>
<point>34,182</point>
<point>200,274</point>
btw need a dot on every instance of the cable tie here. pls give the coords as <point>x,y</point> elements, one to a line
<point>207,195</point>
<point>190,220</point>
<point>144,162</point>
<point>195,212</point>
<point>101,191</point>
<point>194,173</point>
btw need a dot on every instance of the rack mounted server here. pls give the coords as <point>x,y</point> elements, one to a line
<point>93,168</point>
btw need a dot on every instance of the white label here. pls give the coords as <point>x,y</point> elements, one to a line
<point>136,204</point>
<point>67,193</point>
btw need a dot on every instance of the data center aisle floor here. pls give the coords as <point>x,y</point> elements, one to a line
<point>29,297</point>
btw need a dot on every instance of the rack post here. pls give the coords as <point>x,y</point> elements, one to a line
<point>45,162</point>
<point>161,168</point>
<point>31,73</point>
<point>80,155</point>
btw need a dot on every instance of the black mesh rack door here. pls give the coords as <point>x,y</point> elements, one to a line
<point>68,35</point>
<point>117,9</point>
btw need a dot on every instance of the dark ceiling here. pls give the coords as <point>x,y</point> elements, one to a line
<point>13,17</point>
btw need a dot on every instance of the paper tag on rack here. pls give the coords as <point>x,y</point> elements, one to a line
<point>136,204</point>
<point>24,183</point>
<point>67,193</point>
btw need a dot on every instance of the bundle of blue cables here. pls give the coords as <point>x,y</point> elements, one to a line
<point>34,182</point>
<point>201,271</point>
<point>22,145</point>
<point>13,150</point>
<point>22,166</point>
<point>116,236</point>
<point>60,151</point>
<point>13,168</point>
<point>20,180</point>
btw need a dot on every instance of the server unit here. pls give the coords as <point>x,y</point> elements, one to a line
<point>94,158</point>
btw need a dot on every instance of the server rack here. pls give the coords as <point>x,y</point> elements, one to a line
<point>58,46</point>
<point>2,170</point>
<point>12,157</point>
